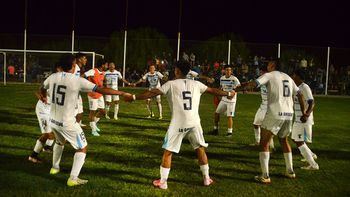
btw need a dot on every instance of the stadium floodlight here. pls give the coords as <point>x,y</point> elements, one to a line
<point>7,52</point>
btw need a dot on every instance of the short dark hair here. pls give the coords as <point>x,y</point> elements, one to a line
<point>300,73</point>
<point>66,62</point>
<point>228,66</point>
<point>79,55</point>
<point>100,63</point>
<point>183,66</point>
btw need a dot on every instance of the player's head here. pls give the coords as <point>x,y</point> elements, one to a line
<point>152,68</point>
<point>228,70</point>
<point>298,76</point>
<point>111,66</point>
<point>100,64</point>
<point>182,68</point>
<point>66,62</point>
<point>272,65</point>
<point>81,59</point>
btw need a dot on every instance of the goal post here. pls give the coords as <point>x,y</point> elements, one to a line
<point>14,61</point>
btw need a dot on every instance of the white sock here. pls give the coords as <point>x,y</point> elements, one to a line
<point>205,170</point>
<point>160,109</point>
<point>272,144</point>
<point>164,173</point>
<point>229,130</point>
<point>78,162</point>
<point>97,119</point>
<point>38,146</point>
<point>257,134</point>
<point>49,142</point>
<point>264,158</point>
<point>149,108</point>
<point>215,127</point>
<point>56,155</point>
<point>116,110</point>
<point>289,161</point>
<point>307,154</point>
<point>93,126</point>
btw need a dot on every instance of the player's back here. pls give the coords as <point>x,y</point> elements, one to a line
<point>184,98</point>
<point>280,90</point>
<point>63,89</point>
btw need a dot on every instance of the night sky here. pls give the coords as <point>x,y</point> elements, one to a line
<point>288,22</point>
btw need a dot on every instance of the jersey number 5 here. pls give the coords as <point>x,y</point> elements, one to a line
<point>59,94</point>
<point>187,96</point>
<point>286,90</point>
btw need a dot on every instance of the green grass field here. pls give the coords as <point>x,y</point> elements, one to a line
<point>125,159</point>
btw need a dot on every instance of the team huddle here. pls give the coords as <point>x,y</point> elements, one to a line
<point>59,111</point>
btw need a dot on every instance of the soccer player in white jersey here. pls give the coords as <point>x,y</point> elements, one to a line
<point>112,76</point>
<point>260,114</point>
<point>194,75</point>
<point>184,97</point>
<point>153,77</point>
<point>63,88</point>
<point>45,141</point>
<point>81,61</point>
<point>96,101</point>
<point>228,83</point>
<point>278,119</point>
<point>302,131</point>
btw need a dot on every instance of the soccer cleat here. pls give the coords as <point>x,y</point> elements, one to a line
<point>261,179</point>
<point>290,175</point>
<point>115,117</point>
<point>107,117</point>
<point>207,181</point>
<point>160,118</point>
<point>313,155</point>
<point>35,159</point>
<point>95,133</point>
<point>229,135</point>
<point>157,183</point>
<point>310,167</point>
<point>47,149</point>
<point>71,182</point>
<point>82,125</point>
<point>54,171</point>
<point>255,144</point>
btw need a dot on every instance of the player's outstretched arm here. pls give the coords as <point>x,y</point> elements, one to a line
<point>109,91</point>
<point>137,82</point>
<point>145,95</point>
<point>218,92</point>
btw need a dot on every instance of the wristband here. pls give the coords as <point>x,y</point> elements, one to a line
<point>134,97</point>
<point>229,94</point>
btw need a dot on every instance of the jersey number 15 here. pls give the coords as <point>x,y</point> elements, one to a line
<point>59,94</point>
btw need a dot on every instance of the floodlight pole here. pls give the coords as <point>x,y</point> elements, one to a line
<point>229,53</point>
<point>25,42</point>
<point>326,87</point>
<point>179,32</point>
<point>279,51</point>
<point>125,38</point>
<point>73,27</point>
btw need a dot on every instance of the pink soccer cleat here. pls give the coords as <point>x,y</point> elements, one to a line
<point>157,183</point>
<point>207,181</point>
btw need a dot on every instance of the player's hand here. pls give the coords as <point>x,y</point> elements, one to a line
<point>210,80</point>
<point>232,95</point>
<point>128,97</point>
<point>304,118</point>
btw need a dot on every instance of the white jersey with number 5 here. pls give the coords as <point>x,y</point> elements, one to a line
<point>184,96</point>
<point>64,89</point>
<point>112,78</point>
<point>305,89</point>
<point>280,88</point>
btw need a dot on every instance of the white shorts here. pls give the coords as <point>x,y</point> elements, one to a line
<point>175,134</point>
<point>157,98</point>
<point>108,98</point>
<point>95,104</point>
<point>302,132</point>
<point>79,106</point>
<point>73,134</point>
<point>259,116</point>
<point>281,128</point>
<point>44,123</point>
<point>227,107</point>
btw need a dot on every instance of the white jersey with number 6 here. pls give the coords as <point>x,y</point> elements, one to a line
<point>184,97</point>
<point>280,88</point>
<point>64,89</point>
